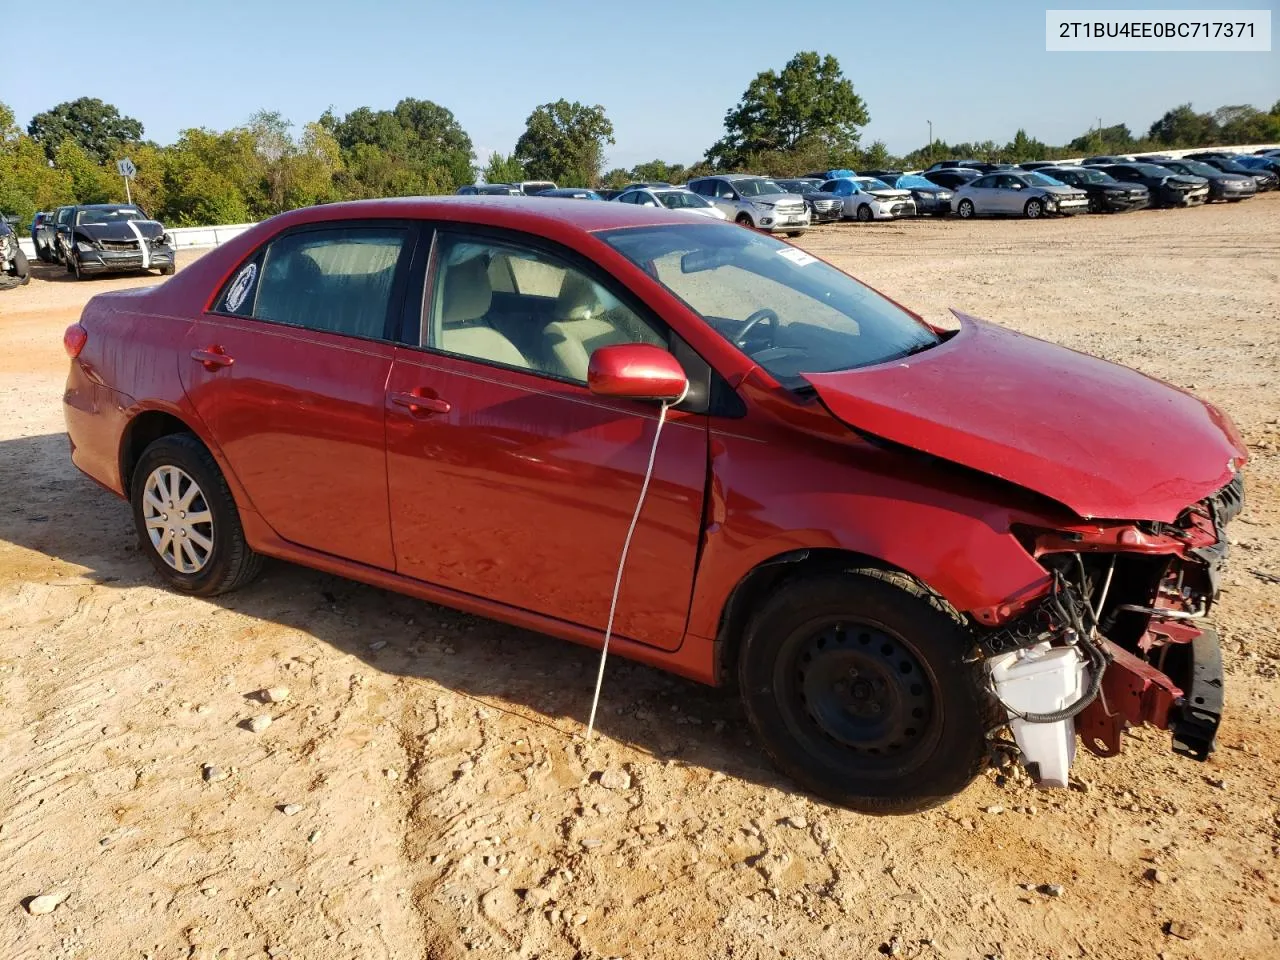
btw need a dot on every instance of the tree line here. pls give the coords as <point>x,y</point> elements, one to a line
<point>805,117</point>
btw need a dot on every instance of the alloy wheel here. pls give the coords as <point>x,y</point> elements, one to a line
<point>178,519</point>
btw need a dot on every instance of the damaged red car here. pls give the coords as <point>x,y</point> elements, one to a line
<point>899,541</point>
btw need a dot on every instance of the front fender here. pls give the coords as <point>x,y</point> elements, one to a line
<point>955,537</point>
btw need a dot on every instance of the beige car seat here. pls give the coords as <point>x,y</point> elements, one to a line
<point>464,302</point>
<point>581,326</point>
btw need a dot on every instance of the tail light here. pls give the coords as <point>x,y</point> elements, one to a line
<point>74,339</point>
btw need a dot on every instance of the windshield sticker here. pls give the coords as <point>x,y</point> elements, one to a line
<point>240,288</point>
<point>797,256</point>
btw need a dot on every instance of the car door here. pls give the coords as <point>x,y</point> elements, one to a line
<point>508,478</point>
<point>288,372</point>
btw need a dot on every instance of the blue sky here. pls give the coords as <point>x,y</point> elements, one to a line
<point>666,71</point>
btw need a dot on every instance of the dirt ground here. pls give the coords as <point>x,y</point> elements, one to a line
<point>442,805</point>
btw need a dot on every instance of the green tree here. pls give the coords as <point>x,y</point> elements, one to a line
<point>565,142</point>
<point>1114,139</point>
<point>90,182</point>
<point>419,146</point>
<point>658,170</point>
<point>1023,147</point>
<point>1183,127</point>
<point>810,101</point>
<point>503,169</point>
<point>1246,124</point>
<point>616,178</point>
<point>95,126</point>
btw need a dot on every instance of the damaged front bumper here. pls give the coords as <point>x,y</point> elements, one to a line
<point>1126,636</point>
<point>126,259</point>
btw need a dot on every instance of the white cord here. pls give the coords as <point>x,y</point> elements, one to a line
<point>622,559</point>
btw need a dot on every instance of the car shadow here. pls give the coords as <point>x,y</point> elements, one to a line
<point>53,509</point>
<point>57,273</point>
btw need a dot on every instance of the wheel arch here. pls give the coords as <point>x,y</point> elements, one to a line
<point>142,430</point>
<point>758,583</point>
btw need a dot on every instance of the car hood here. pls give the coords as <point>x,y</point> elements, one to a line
<point>1185,180</point>
<point>120,230</point>
<point>1064,190</point>
<point>1102,439</point>
<point>891,193</point>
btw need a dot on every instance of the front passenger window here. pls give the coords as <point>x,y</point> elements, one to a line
<point>550,321</point>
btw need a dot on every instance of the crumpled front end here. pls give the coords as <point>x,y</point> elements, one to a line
<point>1118,638</point>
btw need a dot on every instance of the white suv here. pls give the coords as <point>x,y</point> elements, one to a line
<point>755,202</point>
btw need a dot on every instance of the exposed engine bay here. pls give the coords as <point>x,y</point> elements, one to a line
<point>1116,638</point>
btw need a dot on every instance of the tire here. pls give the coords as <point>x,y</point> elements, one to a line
<point>795,233</point>
<point>228,563</point>
<point>864,214</point>
<point>856,684</point>
<point>965,210</point>
<point>744,220</point>
<point>1095,205</point>
<point>73,266</point>
<point>1033,209</point>
<point>168,270</point>
<point>21,269</point>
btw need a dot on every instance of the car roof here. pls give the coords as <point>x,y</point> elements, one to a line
<point>529,213</point>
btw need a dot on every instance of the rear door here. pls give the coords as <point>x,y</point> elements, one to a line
<point>509,479</point>
<point>289,370</point>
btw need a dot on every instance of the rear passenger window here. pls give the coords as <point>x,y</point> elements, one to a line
<point>338,281</point>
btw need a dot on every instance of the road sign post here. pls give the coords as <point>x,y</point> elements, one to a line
<point>127,170</point>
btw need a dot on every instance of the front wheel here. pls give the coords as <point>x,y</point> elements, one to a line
<point>21,269</point>
<point>1033,209</point>
<point>795,233</point>
<point>966,210</point>
<point>743,220</point>
<point>857,685</point>
<point>187,521</point>
<point>864,214</point>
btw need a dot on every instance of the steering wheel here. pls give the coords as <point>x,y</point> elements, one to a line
<point>753,321</point>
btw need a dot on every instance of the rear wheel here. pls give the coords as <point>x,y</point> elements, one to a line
<point>965,210</point>
<point>864,213</point>
<point>1033,209</point>
<point>857,685</point>
<point>187,521</point>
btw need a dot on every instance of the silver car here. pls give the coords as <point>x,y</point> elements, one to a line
<point>755,202</point>
<point>1027,195</point>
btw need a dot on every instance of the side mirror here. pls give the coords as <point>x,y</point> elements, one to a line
<point>636,371</point>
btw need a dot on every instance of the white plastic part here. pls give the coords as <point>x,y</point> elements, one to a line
<point>1041,679</point>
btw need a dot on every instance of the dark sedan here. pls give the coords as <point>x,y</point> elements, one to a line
<point>952,178</point>
<point>930,198</point>
<point>1106,193</point>
<point>823,207</point>
<point>1167,189</point>
<point>112,238</point>
<point>1106,160</point>
<point>1222,185</point>
<point>1263,179</point>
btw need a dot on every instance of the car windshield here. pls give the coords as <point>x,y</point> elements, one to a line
<point>680,199</point>
<point>788,311</point>
<point>911,182</point>
<point>757,188</point>
<point>1194,167</point>
<point>109,215</point>
<point>1093,176</point>
<point>871,183</point>
<point>1040,179</point>
<point>1230,166</point>
<point>799,186</point>
<point>1151,170</point>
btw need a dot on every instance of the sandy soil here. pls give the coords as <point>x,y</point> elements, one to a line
<point>444,806</point>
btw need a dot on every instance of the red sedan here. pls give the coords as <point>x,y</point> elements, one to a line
<point>895,539</point>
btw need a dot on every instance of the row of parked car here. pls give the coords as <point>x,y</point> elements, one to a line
<point>968,188</point>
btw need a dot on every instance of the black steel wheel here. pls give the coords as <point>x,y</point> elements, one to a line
<point>857,685</point>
